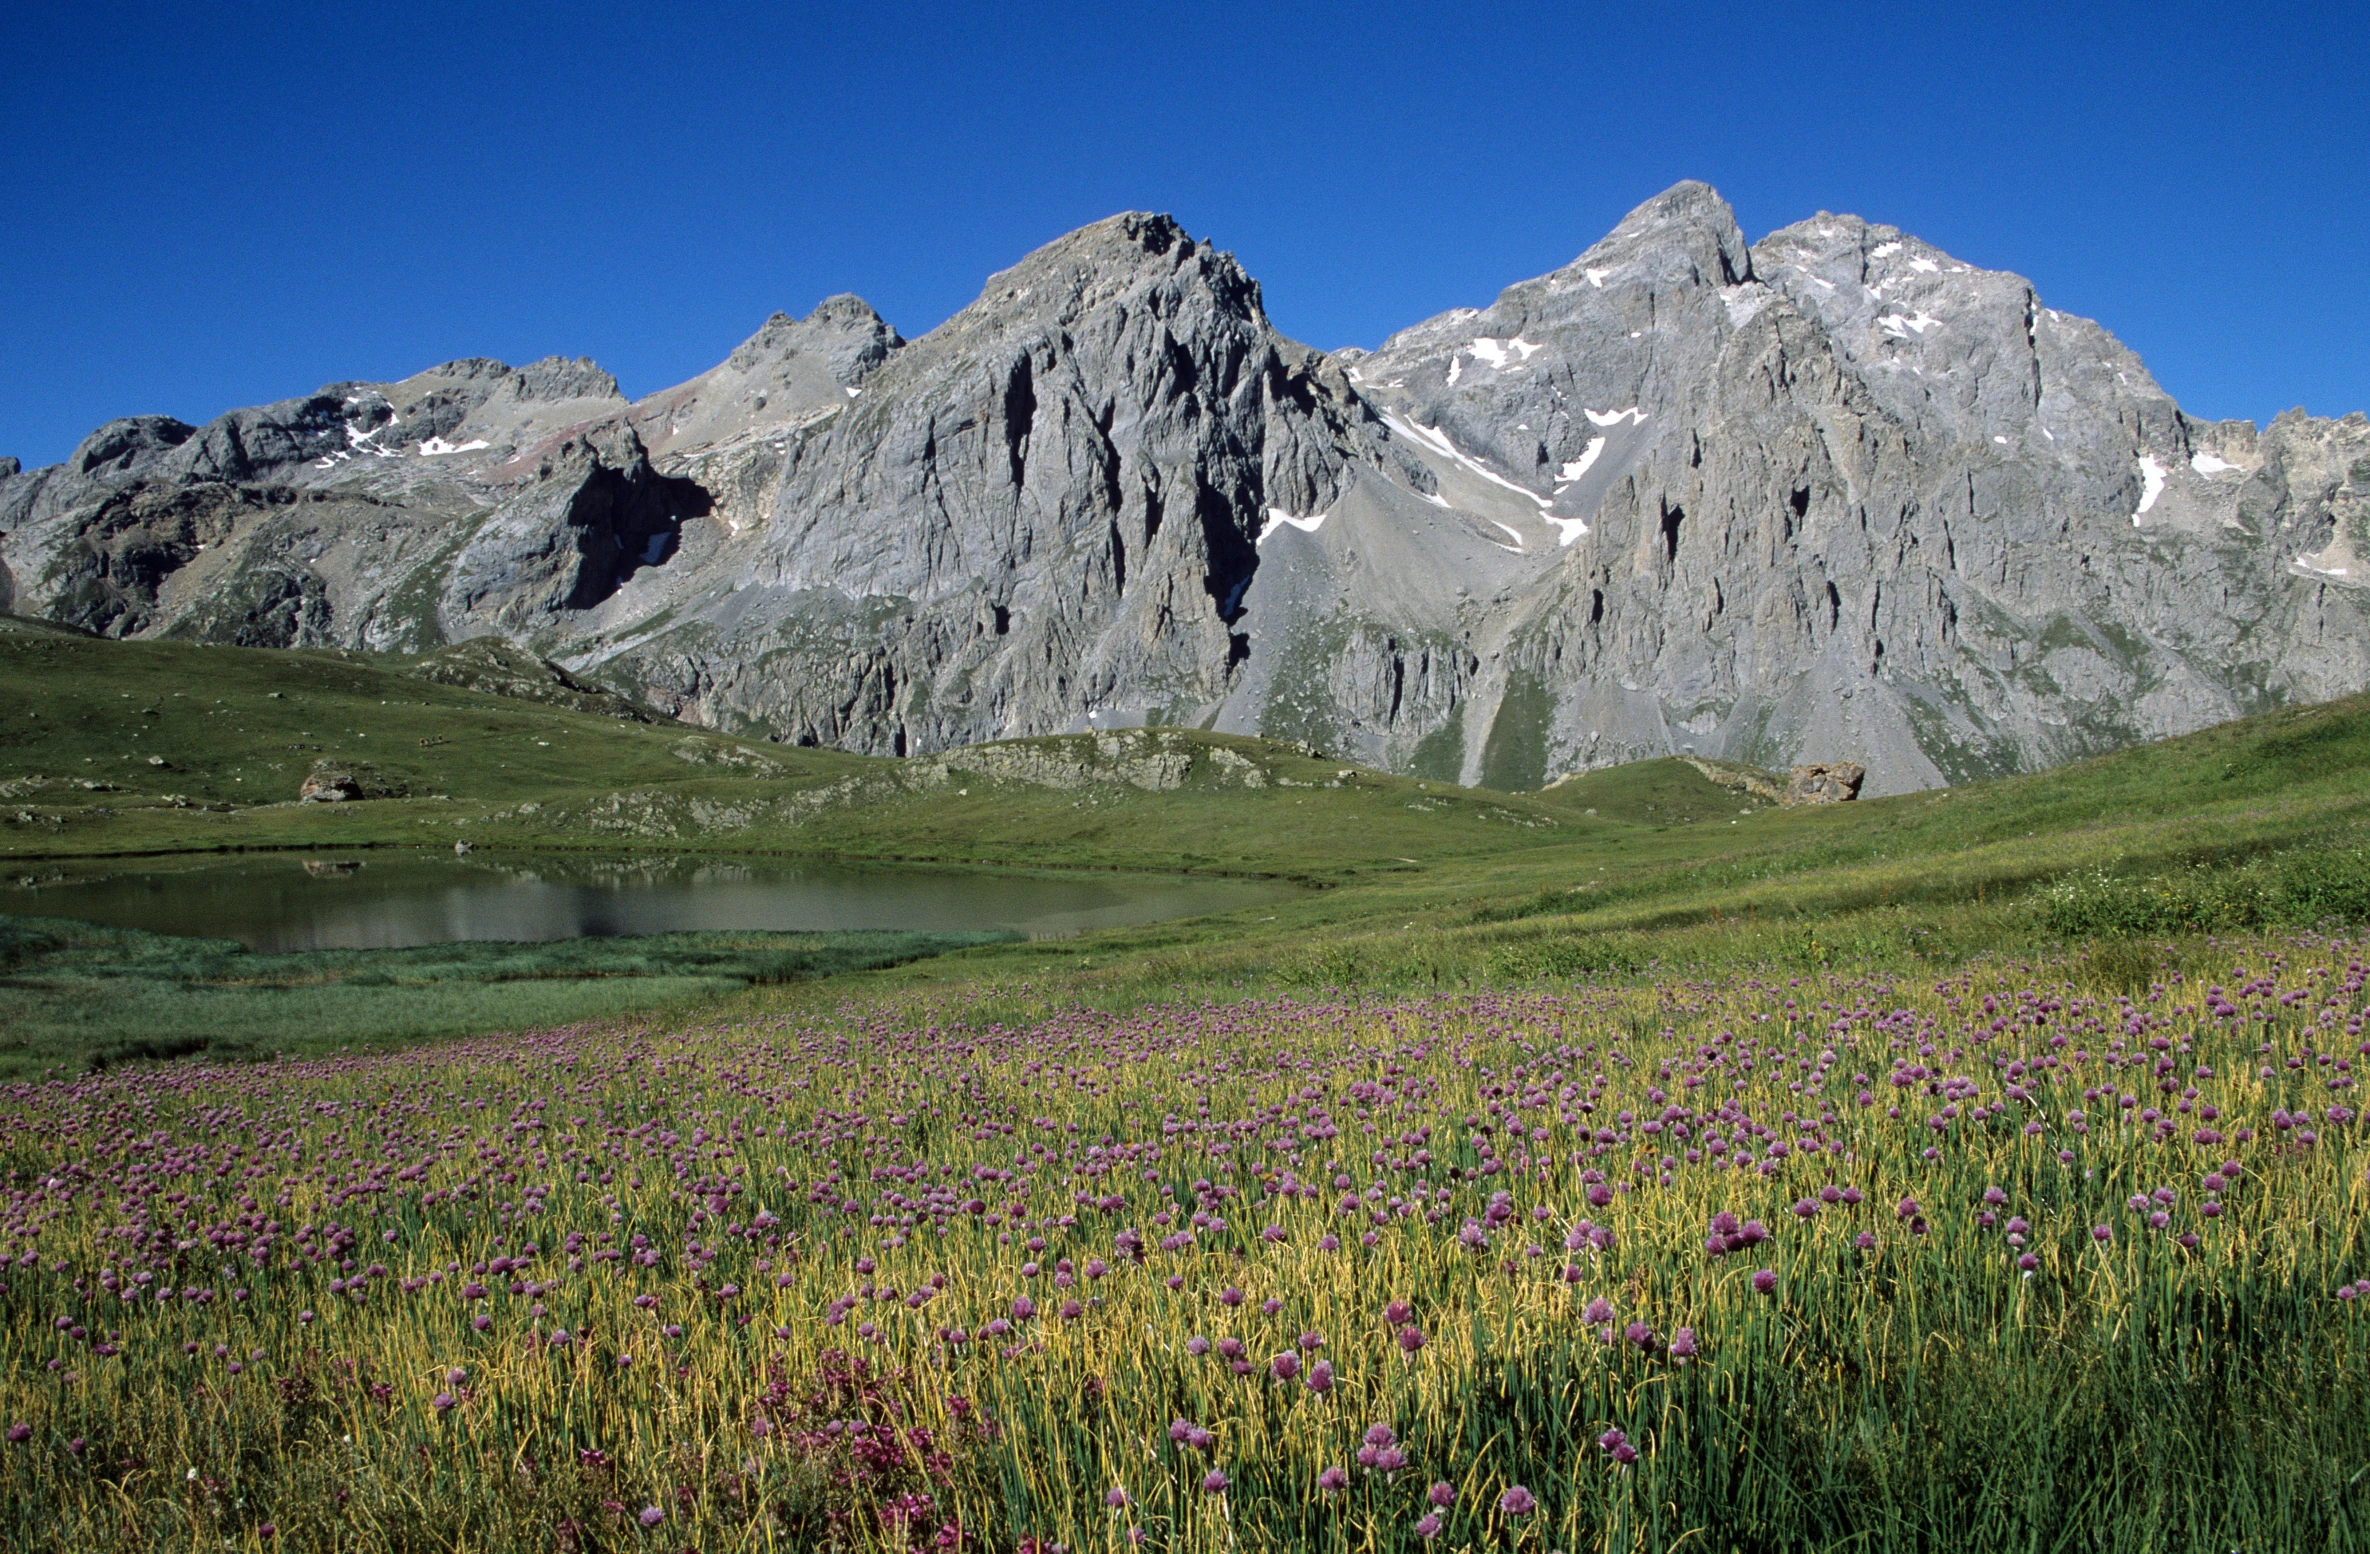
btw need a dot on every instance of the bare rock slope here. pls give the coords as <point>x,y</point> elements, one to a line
<point>1831,497</point>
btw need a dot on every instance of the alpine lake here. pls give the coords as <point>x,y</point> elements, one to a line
<point>280,903</point>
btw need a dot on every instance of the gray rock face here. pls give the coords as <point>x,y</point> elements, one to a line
<point>1824,783</point>
<point>1838,496</point>
<point>1043,515</point>
<point>1833,497</point>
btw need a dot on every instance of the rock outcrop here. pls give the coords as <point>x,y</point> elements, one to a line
<point>1823,782</point>
<point>1832,496</point>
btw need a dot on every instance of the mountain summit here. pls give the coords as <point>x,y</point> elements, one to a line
<point>1830,496</point>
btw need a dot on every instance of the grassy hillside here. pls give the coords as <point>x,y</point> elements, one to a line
<point>2253,824</point>
<point>1940,1146</point>
<point>117,748</point>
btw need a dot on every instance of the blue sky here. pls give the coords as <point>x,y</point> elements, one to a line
<point>207,205</point>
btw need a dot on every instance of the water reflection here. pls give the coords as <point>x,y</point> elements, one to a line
<point>389,901</point>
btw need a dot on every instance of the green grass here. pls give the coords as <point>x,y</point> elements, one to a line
<point>372,1259</point>
<point>74,995</point>
<point>1924,999</point>
<point>238,729</point>
<point>1424,885</point>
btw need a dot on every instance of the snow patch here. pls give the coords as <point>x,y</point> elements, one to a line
<point>2151,484</point>
<point>1456,369</point>
<point>1566,529</point>
<point>1927,266</point>
<point>1615,417</point>
<point>1899,325</point>
<point>1513,533</point>
<point>1884,250</point>
<point>2208,464</point>
<point>655,549</point>
<point>1495,352</point>
<point>1999,439</point>
<point>1276,517</point>
<point>1827,285</point>
<point>1596,278</point>
<point>436,447</point>
<point>852,393</point>
<point>1579,466</point>
<point>1437,440</point>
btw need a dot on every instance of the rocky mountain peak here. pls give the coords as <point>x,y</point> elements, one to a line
<point>1101,263</point>
<point>121,446</point>
<point>1836,497</point>
<point>556,379</point>
<point>1687,233</point>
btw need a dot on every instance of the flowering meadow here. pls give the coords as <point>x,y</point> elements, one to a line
<point>1986,1258</point>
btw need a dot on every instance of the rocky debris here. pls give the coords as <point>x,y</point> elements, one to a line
<point>1768,787</point>
<point>1823,782</point>
<point>492,667</point>
<point>1834,491</point>
<point>328,788</point>
<point>1147,762</point>
<point>709,752</point>
<point>342,782</point>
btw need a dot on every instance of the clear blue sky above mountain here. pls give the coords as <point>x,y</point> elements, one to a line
<point>208,205</point>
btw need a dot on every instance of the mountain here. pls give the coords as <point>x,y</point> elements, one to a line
<point>1831,496</point>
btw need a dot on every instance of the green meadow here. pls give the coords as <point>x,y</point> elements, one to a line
<point>1627,1165</point>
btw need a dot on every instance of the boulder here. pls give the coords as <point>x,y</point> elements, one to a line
<point>1825,782</point>
<point>329,788</point>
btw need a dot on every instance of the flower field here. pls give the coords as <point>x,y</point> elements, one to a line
<point>1991,1259</point>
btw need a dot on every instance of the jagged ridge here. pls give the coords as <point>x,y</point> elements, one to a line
<point>1831,496</point>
